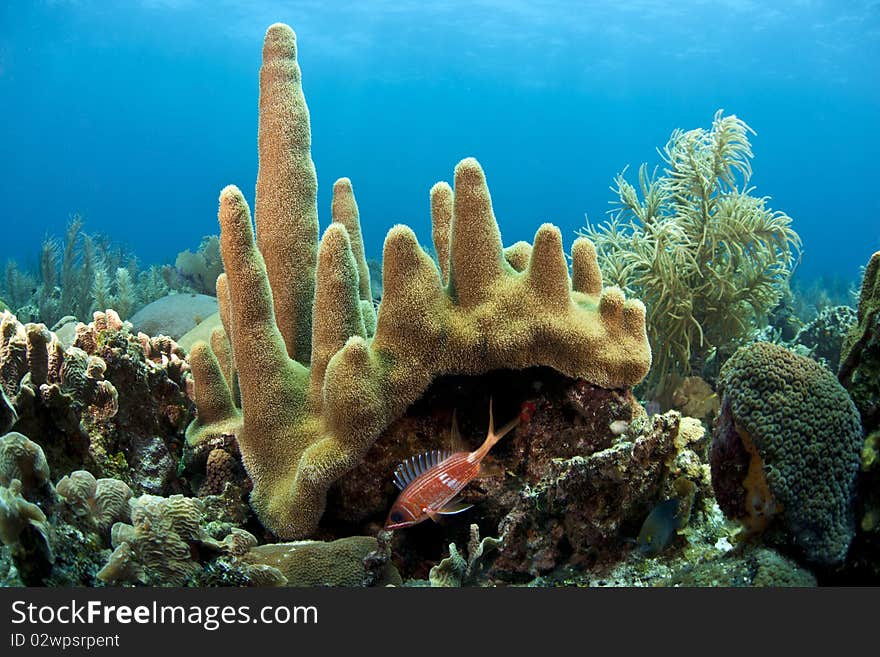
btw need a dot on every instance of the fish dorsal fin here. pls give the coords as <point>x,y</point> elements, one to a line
<point>456,444</point>
<point>417,465</point>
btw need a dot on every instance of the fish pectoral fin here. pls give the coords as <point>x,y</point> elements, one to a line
<point>453,507</point>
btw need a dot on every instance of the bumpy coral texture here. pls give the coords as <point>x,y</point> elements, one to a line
<point>757,567</point>
<point>807,433</point>
<point>23,459</point>
<point>860,375</point>
<point>458,569</point>
<point>102,502</point>
<point>161,545</point>
<point>860,352</point>
<point>318,563</point>
<point>582,505</point>
<point>112,402</point>
<point>304,427</point>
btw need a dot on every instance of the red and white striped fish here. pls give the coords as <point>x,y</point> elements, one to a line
<point>430,482</point>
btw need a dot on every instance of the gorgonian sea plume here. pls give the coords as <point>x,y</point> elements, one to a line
<point>708,258</point>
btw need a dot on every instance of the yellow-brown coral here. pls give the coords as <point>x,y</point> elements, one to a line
<point>303,427</point>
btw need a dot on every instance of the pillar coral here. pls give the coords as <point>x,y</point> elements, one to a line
<point>308,418</point>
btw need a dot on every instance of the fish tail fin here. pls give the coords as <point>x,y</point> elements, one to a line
<point>493,436</point>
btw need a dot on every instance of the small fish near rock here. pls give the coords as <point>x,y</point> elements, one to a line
<point>660,527</point>
<point>430,483</point>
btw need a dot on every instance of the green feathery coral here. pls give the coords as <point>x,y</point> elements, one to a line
<point>709,259</point>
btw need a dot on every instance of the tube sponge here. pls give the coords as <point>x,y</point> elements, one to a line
<point>308,418</point>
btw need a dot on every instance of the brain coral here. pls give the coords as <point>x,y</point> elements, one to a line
<point>787,445</point>
<point>315,395</point>
<point>23,459</point>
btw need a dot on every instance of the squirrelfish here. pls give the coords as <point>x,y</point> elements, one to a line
<point>429,483</point>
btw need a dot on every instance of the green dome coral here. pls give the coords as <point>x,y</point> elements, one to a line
<point>708,259</point>
<point>790,430</point>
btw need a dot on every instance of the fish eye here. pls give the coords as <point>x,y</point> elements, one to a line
<point>396,516</point>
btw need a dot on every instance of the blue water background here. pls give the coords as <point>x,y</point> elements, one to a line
<point>136,114</point>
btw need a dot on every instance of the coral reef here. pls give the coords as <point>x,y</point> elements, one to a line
<point>160,545</point>
<point>809,297</point>
<point>581,507</point>
<point>859,369</point>
<point>313,374</point>
<point>315,397</point>
<point>64,539</point>
<point>343,562</point>
<point>860,374</point>
<point>53,390</point>
<point>571,485</point>
<point>756,567</point>
<point>201,269</point>
<point>709,259</point>
<point>24,530</point>
<point>80,274</point>
<point>568,418</point>
<point>101,502</point>
<point>458,570</point>
<point>786,449</point>
<point>174,315</point>
<point>824,335</point>
<point>694,397</point>
<point>145,437</point>
<point>68,399</point>
<point>24,460</point>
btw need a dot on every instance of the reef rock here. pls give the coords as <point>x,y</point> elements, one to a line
<point>113,403</point>
<point>582,508</point>
<point>174,315</point>
<point>751,567</point>
<point>201,332</point>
